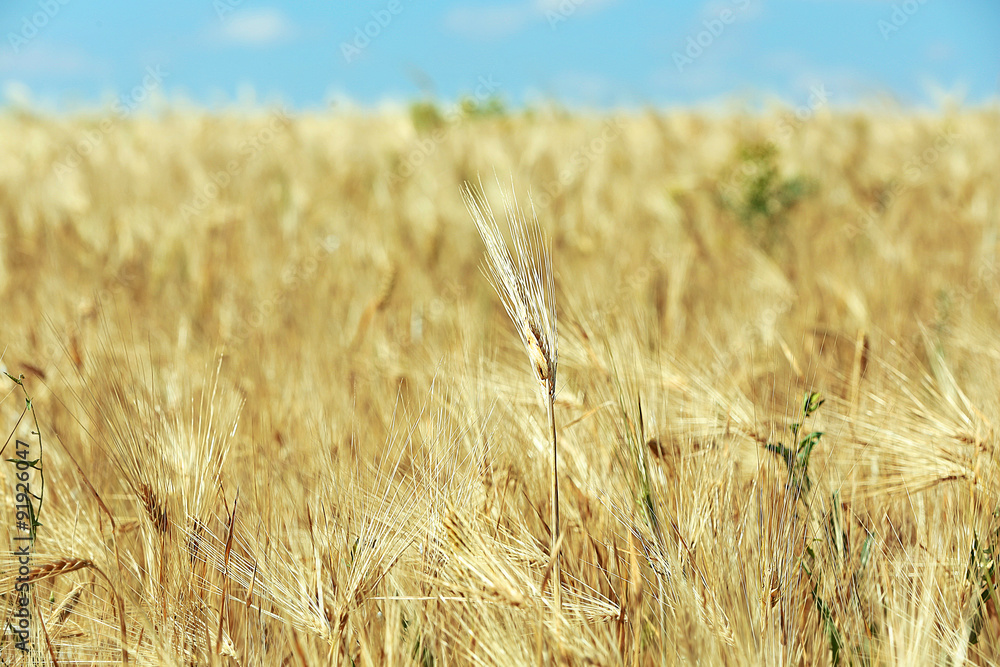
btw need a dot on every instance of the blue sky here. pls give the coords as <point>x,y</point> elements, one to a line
<point>580,53</point>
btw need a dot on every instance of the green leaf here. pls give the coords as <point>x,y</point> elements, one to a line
<point>866,552</point>
<point>784,452</point>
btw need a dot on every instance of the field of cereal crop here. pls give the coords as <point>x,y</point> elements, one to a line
<point>284,417</point>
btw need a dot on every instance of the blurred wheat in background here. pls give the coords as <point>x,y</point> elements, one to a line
<point>285,420</point>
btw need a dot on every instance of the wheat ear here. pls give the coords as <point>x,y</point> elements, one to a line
<point>56,568</point>
<point>65,566</point>
<point>524,281</point>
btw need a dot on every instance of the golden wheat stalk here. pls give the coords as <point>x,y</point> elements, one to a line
<point>523,278</point>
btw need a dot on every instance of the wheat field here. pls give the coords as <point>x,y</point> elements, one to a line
<point>282,417</point>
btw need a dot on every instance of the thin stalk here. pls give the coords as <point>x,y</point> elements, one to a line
<point>557,578</point>
<point>522,276</point>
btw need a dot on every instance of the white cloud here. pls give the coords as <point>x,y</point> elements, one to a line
<point>938,52</point>
<point>844,84</point>
<point>587,87</point>
<point>17,93</point>
<point>45,58</point>
<point>567,6</point>
<point>743,11</point>
<point>489,22</point>
<point>500,20</point>
<point>256,27</point>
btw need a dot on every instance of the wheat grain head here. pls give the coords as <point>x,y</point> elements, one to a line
<point>523,279</point>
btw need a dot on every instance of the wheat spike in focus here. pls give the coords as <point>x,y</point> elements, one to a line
<point>522,276</point>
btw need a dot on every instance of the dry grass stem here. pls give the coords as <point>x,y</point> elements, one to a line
<point>524,280</point>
